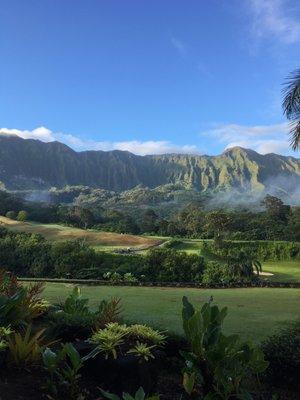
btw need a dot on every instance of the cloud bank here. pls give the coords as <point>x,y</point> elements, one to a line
<point>261,138</point>
<point>135,146</point>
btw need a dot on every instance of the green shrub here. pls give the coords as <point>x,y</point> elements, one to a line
<point>5,332</point>
<point>282,351</point>
<point>215,273</point>
<point>70,257</point>
<point>116,339</point>
<point>73,319</point>
<point>70,327</point>
<point>11,214</point>
<point>139,395</point>
<point>168,265</point>
<point>25,348</point>
<point>64,368</point>
<point>220,366</point>
<point>22,216</point>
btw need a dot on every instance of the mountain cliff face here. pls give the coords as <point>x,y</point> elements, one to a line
<point>32,164</point>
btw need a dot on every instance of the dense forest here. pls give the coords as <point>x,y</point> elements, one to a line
<point>272,220</point>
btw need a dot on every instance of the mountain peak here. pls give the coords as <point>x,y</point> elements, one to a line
<point>238,149</point>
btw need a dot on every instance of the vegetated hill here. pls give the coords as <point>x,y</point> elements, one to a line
<point>92,237</point>
<point>32,164</point>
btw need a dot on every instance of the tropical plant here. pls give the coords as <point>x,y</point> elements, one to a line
<point>5,331</point>
<point>108,311</point>
<point>75,303</point>
<point>217,364</point>
<point>12,311</point>
<point>73,319</point>
<point>63,368</point>
<point>8,283</point>
<point>291,106</point>
<point>142,351</point>
<point>146,333</point>
<point>19,305</point>
<point>138,339</point>
<point>108,341</point>
<point>26,349</point>
<point>243,264</point>
<point>139,395</point>
<point>33,303</point>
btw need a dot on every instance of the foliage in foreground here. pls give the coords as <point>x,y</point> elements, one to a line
<point>218,366</point>
<point>139,395</point>
<point>73,319</point>
<point>139,340</point>
<point>63,368</point>
<point>282,351</point>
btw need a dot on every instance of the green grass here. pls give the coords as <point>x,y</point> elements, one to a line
<point>191,246</point>
<point>254,313</point>
<point>284,271</point>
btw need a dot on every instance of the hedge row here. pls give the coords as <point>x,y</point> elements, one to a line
<point>96,282</point>
<point>264,250</point>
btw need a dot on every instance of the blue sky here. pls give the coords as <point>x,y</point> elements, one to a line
<point>148,76</point>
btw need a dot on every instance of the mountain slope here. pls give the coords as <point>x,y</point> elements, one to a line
<point>32,164</point>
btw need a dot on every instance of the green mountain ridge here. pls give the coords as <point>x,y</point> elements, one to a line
<point>32,164</point>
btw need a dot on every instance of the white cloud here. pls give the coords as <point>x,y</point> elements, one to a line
<point>155,147</point>
<point>262,146</point>
<point>179,45</point>
<point>261,138</point>
<point>274,19</point>
<point>134,146</point>
<point>40,133</point>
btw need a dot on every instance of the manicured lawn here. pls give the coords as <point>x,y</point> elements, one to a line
<point>284,271</point>
<point>253,313</point>
<point>191,246</point>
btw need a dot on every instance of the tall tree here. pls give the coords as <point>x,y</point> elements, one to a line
<point>291,107</point>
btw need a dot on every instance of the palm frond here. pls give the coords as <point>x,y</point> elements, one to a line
<point>295,134</point>
<point>291,106</point>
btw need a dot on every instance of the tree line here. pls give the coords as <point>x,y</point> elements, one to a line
<point>276,220</point>
<point>31,255</point>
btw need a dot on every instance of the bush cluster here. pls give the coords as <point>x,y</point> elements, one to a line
<point>282,351</point>
<point>30,255</point>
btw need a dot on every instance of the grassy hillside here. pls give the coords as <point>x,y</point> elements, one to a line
<point>99,240</point>
<point>253,313</point>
